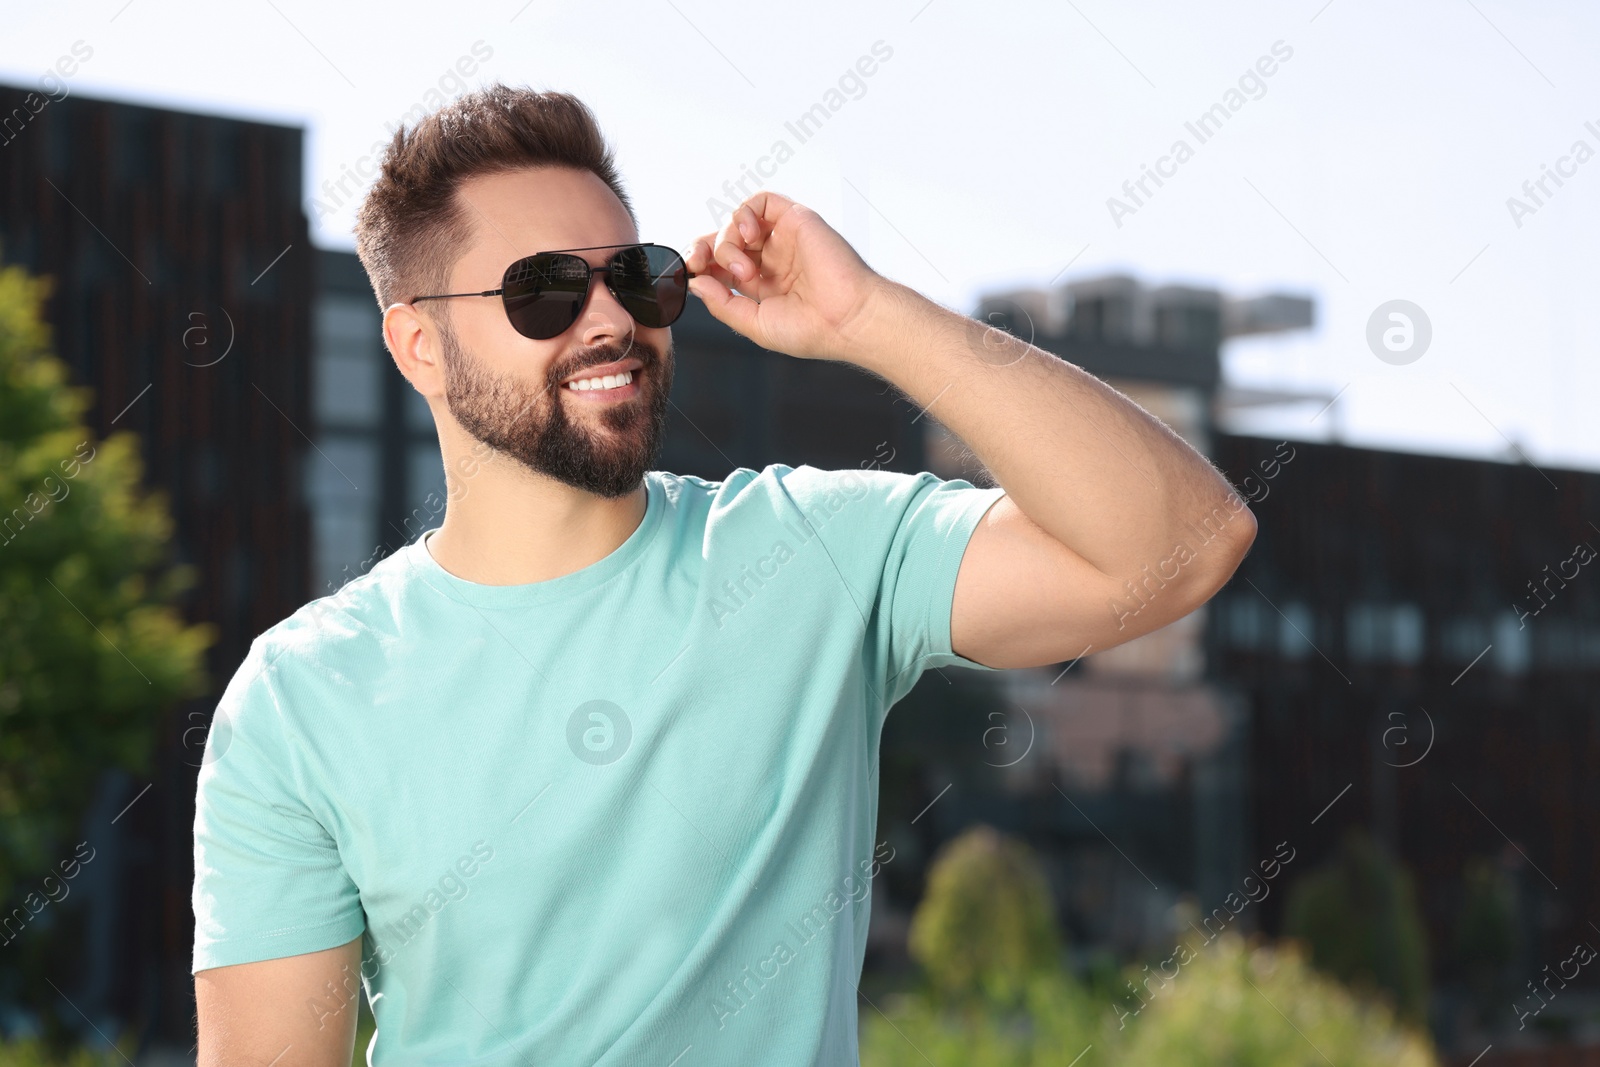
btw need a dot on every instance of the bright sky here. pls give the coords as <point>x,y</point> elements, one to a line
<point>1373,164</point>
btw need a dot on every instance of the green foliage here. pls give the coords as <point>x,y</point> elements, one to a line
<point>1486,936</point>
<point>366,1025</point>
<point>32,1052</point>
<point>1240,1006</point>
<point>1054,1022</point>
<point>987,921</point>
<point>1358,915</point>
<point>997,995</point>
<point>1233,1005</point>
<point>92,649</point>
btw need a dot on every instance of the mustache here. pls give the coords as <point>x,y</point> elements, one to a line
<point>600,356</point>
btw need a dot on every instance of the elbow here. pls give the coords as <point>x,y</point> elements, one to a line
<point>1219,557</point>
<point>1244,537</point>
<point>1228,552</point>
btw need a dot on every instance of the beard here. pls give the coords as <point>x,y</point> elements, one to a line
<point>531,424</point>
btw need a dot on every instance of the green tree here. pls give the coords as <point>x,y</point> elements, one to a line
<point>92,647</point>
<point>1054,1023</point>
<point>987,922</point>
<point>1486,937</point>
<point>1244,1006</point>
<point>31,1052</point>
<point>1358,915</point>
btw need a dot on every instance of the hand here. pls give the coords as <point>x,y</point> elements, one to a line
<point>800,288</point>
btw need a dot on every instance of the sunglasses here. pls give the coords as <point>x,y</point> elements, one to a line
<point>545,293</point>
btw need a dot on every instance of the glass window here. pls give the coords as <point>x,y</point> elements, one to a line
<point>1379,633</point>
<point>425,488</point>
<point>1464,638</point>
<point>1297,630</point>
<point>341,480</point>
<point>347,383</point>
<point>1511,652</point>
<point>1246,626</point>
<point>418,415</point>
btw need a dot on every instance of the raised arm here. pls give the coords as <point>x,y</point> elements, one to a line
<point>298,1011</point>
<point>1111,526</point>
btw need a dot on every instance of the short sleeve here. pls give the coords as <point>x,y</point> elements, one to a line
<point>936,519</point>
<point>896,542</point>
<point>268,879</point>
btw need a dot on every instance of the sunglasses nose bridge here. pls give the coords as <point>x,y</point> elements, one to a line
<point>587,309</point>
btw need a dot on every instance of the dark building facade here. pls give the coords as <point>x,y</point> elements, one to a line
<point>182,283</point>
<point>1424,632</point>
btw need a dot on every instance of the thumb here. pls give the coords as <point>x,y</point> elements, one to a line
<point>729,308</point>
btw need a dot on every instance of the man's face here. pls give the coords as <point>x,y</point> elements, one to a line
<point>514,393</point>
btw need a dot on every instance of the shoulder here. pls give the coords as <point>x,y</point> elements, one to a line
<point>803,484</point>
<point>361,613</point>
<point>862,507</point>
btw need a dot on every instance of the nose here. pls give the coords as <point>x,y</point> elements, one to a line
<point>603,318</point>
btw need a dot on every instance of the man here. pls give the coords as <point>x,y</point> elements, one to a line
<point>587,774</point>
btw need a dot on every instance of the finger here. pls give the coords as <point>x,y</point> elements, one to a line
<point>721,275</point>
<point>698,260</point>
<point>769,207</point>
<point>698,256</point>
<point>750,227</point>
<point>729,252</point>
<point>726,306</point>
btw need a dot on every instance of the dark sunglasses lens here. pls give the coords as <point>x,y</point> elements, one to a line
<point>544,293</point>
<point>651,282</point>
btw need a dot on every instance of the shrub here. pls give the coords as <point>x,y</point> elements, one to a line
<point>1244,1006</point>
<point>1486,937</point>
<point>987,921</point>
<point>1053,1024</point>
<point>33,1052</point>
<point>1358,916</point>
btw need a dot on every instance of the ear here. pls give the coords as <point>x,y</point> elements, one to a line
<point>411,343</point>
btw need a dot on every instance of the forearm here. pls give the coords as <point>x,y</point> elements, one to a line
<point>1083,462</point>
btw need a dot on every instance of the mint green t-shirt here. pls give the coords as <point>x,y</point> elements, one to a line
<point>622,816</point>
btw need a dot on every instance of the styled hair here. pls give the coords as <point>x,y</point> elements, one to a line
<point>412,227</point>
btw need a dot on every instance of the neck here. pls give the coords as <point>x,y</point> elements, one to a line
<point>506,525</point>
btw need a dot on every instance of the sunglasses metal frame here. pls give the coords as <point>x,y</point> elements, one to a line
<point>604,268</point>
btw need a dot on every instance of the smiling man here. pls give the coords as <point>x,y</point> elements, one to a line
<point>523,780</point>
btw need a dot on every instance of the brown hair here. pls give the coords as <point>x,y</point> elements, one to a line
<point>411,228</point>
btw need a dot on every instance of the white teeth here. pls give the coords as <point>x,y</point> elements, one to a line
<point>609,381</point>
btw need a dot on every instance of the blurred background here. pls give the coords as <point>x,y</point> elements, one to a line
<point>1345,813</point>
